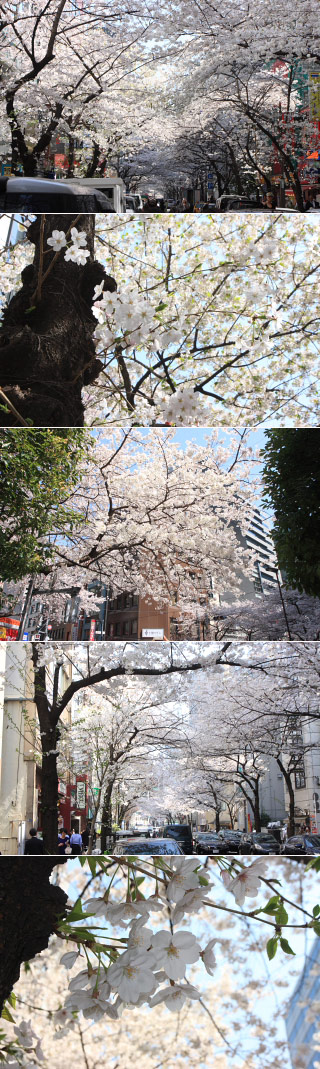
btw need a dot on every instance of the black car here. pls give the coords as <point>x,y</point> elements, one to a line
<point>259,842</point>
<point>158,847</point>
<point>182,835</point>
<point>37,195</point>
<point>208,842</point>
<point>306,845</point>
<point>229,841</point>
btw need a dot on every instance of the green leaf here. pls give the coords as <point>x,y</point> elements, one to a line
<point>281,915</point>
<point>286,947</point>
<point>12,1000</point>
<point>272,947</point>
<point>6,1014</point>
<point>92,865</point>
<point>76,913</point>
<point>272,905</point>
<point>316,911</point>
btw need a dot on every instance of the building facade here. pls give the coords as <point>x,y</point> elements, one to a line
<point>304,746</point>
<point>20,746</point>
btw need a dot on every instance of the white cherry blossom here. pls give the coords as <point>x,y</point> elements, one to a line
<point>174,952</point>
<point>132,976</point>
<point>247,883</point>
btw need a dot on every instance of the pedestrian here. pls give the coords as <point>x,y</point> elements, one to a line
<point>76,843</point>
<point>63,841</point>
<point>34,845</point>
<point>85,837</point>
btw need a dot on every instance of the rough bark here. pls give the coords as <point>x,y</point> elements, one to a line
<point>47,353</point>
<point>29,910</point>
<point>106,819</point>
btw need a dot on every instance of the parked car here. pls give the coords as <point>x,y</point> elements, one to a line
<point>232,202</point>
<point>306,845</point>
<point>134,202</point>
<point>135,847</point>
<point>35,195</point>
<point>230,840</point>
<point>259,842</point>
<point>182,835</point>
<point>208,842</point>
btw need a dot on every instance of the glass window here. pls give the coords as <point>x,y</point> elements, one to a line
<point>126,627</point>
<point>134,627</point>
<point>119,628</point>
<point>300,779</point>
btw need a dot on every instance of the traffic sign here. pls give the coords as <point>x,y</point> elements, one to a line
<point>210,174</point>
<point>210,185</point>
<point>25,636</point>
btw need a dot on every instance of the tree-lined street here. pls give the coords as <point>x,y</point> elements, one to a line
<point>191,102</point>
<point>224,734</point>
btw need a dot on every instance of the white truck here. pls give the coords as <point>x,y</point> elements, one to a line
<point>113,188</point>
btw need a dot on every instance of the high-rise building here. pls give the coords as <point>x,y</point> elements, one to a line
<point>258,583</point>
<point>302,1020</point>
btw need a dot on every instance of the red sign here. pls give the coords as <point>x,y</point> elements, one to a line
<point>92,630</point>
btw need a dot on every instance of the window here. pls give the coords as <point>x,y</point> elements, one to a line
<point>134,627</point>
<point>119,629</point>
<point>135,600</point>
<point>126,627</point>
<point>300,779</point>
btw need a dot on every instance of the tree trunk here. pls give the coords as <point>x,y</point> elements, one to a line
<point>290,789</point>
<point>256,808</point>
<point>71,155</point>
<point>106,822</point>
<point>49,793</point>
<point>47,353</point>
<point>29,910</point>
<point>92,165</point>
<point>49,783</point>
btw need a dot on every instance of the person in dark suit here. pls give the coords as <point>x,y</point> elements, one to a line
<point>34,845</point>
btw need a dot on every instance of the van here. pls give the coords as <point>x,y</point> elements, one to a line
<point>113,188</point>
<point>37,195</point>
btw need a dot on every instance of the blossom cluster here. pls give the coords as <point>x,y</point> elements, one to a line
<point>76,250</point>
<point>152,967</point>
<point>131,319</point>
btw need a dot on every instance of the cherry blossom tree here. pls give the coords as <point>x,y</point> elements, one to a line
<point>209,320</point>
<point>63,63</point>
<point>118,738</point>
<point>154,519</point>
